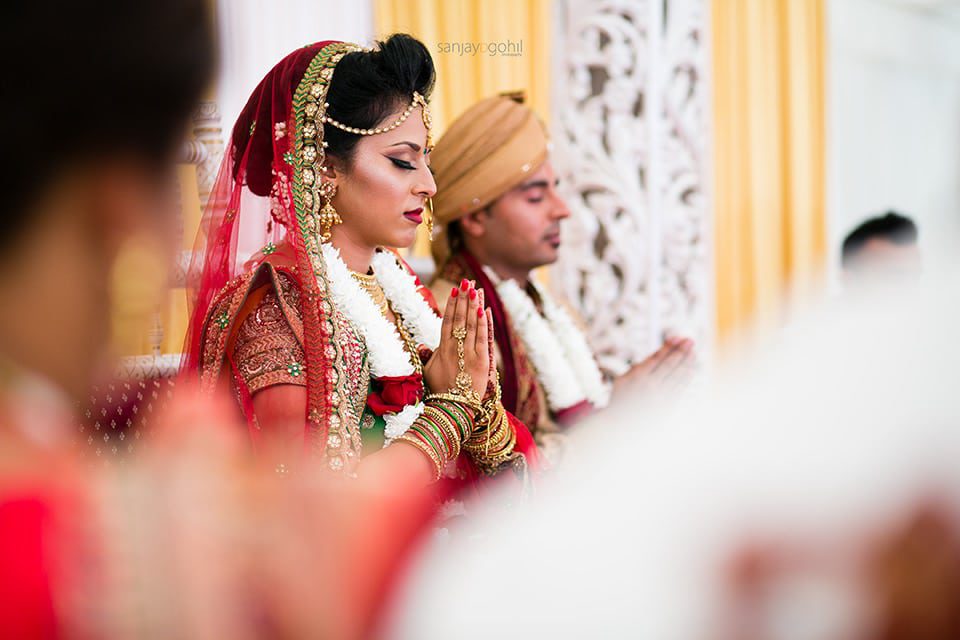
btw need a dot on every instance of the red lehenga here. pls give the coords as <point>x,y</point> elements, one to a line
<point>272,319</point>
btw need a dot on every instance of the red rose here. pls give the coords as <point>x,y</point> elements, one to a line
<point>392,394</point>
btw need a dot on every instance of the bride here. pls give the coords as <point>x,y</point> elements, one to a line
<point>334,351</point>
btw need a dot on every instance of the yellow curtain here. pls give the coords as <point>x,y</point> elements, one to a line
<point>144,313</point>
<point>480,48</point>
<point>769,148</point>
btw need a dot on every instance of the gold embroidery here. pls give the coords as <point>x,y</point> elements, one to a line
<point>349,370</point>
<point>267,352</point>
<point>369,421</point>
<point>214,337</point>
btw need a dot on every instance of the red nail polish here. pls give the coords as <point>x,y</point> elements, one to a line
<point>464,285</point>
<point>473,294</point>
<point>453,294</point>
<point>480,312</point>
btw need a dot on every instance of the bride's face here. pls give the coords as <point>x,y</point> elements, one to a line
<point>381,193</point>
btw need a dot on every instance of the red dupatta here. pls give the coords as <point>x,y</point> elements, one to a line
<point>265,194</point>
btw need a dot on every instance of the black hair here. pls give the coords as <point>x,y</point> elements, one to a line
<point>455,237</point>
<point>370,85</point>
<point>87,80</point>
<point>891,227</point>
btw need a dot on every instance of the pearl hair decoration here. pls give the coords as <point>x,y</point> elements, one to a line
<point>418,100</point>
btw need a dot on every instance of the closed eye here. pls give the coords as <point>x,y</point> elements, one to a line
<point>403,164</point>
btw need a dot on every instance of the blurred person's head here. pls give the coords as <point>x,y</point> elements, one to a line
<point>497,191</point>
<point>884,247</point>
<point>95,97</point>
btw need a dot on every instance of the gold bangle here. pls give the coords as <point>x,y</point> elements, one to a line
<point>426,450</point>
<point>449,430</point>
<point>454,397</point>
<point>494,445</point>
<point>423,430</point>
<point>434,421</point>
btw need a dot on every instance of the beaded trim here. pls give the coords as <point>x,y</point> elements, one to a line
<point>418,100</point>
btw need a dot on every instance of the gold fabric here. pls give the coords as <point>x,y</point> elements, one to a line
<point>488,150</point>
<point>769,158</point>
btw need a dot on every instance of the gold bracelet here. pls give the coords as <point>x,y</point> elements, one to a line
<point>468,412</point>
<point>476,407</point>
<point>491,429</point>
<point>426,449</point>
<point>449,430</point>
<point>489,406</point>
<point>424,430</point>
<point>494,445</point>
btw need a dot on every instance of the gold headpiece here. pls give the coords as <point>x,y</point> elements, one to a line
<point>418,100</point>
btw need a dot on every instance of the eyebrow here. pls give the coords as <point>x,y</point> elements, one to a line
<point>412,145</point>
<point>538,184</point>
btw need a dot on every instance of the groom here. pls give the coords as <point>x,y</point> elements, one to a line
<point>498,215</point>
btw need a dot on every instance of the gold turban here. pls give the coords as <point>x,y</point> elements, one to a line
<point>487,151</point>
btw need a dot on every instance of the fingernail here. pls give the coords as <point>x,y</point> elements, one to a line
<point>480,312</point>
<point>464,284</point>
<point>473,294</point>
<point>453,294</point>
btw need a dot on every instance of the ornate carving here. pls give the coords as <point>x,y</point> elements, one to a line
<point>192,152</point>
<point>629,133</point>
<point>207,132</point>
<point>682,136</point>
<point>149,367</point>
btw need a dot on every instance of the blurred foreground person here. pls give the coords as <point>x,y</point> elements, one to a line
<point>812,495</point>
<point>499,215</point>
<point>189,540</point>
<point>338,357</point>
<point>881,250</point>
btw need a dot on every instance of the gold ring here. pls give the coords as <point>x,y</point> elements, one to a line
<point>459,333</point>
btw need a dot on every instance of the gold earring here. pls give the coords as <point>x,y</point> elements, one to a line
<point>328,215</point>
<point>429,212</point>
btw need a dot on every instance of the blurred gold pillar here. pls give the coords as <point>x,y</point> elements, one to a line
<point>769,156</point>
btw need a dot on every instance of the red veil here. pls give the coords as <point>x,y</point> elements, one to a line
<point>259,200</point>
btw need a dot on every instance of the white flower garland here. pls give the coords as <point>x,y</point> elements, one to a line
<point>577,350</point>
<point>558,350</point>
<point>401,289</point>
<point>384,345</point>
